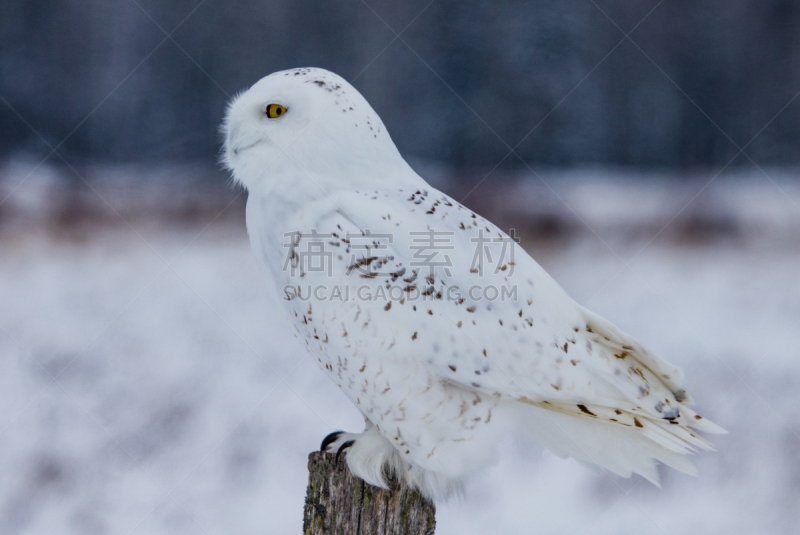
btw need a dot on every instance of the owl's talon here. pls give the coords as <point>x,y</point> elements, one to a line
<point>330,439</point>
<point>343,447</point>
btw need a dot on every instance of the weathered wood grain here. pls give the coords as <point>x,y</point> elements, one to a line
<point>337,503</point>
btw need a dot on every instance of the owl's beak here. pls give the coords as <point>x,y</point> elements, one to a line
<point>237,150</point>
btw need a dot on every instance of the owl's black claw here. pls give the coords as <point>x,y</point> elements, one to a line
<point>344,447</point>
<point>330,439</point>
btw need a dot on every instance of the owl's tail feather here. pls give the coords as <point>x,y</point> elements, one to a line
<point>619,441</point>
<point>617,341</point>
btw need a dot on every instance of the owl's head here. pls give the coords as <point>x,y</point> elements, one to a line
<point>304,121</point>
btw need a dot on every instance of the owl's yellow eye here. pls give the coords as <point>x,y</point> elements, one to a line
<point>275,110</point>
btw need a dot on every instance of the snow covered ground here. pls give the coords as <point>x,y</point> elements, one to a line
<point>148,387</point>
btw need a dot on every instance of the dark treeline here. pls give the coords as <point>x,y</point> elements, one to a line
<point>511,62</point>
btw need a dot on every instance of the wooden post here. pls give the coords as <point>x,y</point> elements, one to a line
<point>337,503</point>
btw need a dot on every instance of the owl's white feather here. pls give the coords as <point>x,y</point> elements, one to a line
<point>439,372</point>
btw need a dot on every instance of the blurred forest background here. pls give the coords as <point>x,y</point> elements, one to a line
<point>148,384</point>
<point>511,62</point>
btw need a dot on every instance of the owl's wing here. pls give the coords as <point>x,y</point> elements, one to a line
<point>487,317</point>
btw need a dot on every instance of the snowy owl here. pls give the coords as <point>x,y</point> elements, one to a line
<point>435,323</point>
